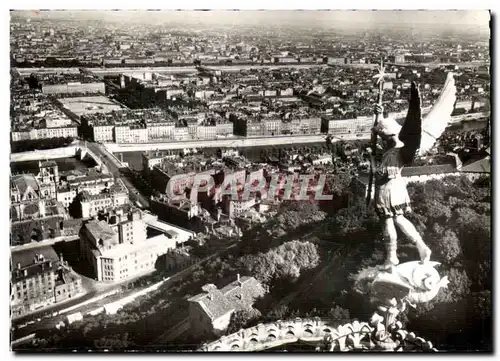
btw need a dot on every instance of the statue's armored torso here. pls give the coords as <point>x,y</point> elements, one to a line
<point>391,197</point>
<point>390,167</point>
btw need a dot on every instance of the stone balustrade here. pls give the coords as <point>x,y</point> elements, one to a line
<point>321,333</point>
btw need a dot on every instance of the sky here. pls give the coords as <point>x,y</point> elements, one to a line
<point>452,17</point>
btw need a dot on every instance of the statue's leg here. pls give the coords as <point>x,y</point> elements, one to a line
<point>411,232</point>
<point>391,242</point>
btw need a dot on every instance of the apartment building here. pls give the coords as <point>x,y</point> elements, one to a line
<point>39,279</point>
<point>92,204</point>
<point>102,133</point>
<point>117,248</point>
<point>44,133</point>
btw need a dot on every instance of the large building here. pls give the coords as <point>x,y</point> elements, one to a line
<point>346,126</point>
<point>224,128</point>
<point>255,126</point>
<point>34,116</point>
<point>34,197</point>
<point>179,174</point>
<point>114,196</point>
<point>129,126</point>
<point>39,279</point>
<point>117,248</point>
<point>73,184</point>
<point>45,133</point>
<point>210,311</point>
<point>160,131</point>
<point>48,178</point>
<point>70,84</point>
<point>152,158</point>
<point>102,133</point>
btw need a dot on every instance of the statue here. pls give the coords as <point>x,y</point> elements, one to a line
<point>401,145</point>
<point>410,283</point>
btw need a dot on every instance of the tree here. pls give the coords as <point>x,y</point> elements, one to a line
<point>241,319</point>
<point>285,262</point>
<point>446,244</point>
<point>339,313</point>
<point>337,183</point>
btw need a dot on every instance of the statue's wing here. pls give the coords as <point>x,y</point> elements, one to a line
<point>436,121</point>
<point>411,132</point>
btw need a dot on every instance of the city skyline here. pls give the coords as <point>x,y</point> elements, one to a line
<point>436,18</point>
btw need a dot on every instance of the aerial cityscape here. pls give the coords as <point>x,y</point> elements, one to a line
<point>264,181</point>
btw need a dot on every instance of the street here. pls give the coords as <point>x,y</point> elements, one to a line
<point>45,242</point>
<point>115,168</point>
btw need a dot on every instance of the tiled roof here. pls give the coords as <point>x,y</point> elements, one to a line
<point>428,169</point>
<point>48,163</point>
<point>479,166</point>
<point>235,296</point>
<point>100,229</point>
<point>14,216</point>
<point>90,178</point>
<point>25,257</point>
<point>243,294</point>
<point>26,260</point>
<point>31,209</point>
<point>22,181</point>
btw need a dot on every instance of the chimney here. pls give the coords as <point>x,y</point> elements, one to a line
<point>25,272</point>
<point>18,265</point>
<point>238,279</point>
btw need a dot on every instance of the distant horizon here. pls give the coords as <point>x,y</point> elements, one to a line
<point>432,18</point>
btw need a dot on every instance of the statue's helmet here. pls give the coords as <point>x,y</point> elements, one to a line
<point>387,127</point>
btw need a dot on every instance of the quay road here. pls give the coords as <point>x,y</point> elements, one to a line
<point>230,142</point>
<point>241,142</point>
<point>44,243</point>
<point>115,167</point>
<point>239,67</point>
<point>194,69</point>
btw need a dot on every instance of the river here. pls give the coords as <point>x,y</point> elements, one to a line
<point>134,159</point>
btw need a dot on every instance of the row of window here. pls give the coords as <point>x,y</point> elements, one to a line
<point>32,294</point>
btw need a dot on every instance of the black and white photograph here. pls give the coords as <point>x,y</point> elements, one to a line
<point>298,181</point>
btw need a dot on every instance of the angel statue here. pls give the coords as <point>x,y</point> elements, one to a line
<point>401,144</point>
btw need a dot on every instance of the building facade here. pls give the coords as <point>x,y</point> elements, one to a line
<point>117,248</point>
<point>210,311</point>
<point>45,133</point>
<point>39,279</point>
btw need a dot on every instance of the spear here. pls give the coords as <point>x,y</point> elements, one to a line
<point>380,81</point>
